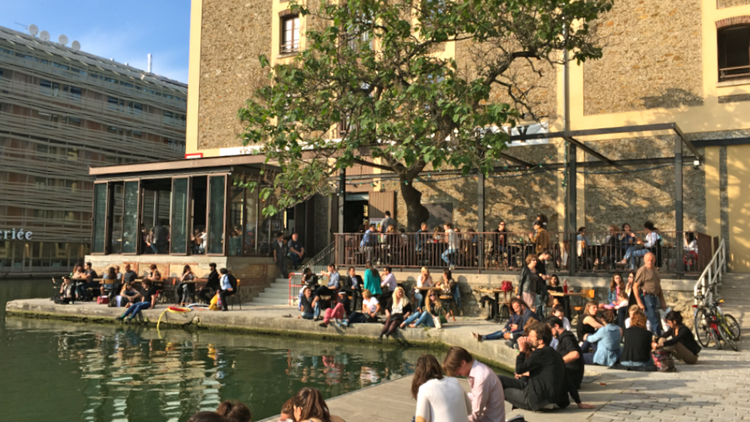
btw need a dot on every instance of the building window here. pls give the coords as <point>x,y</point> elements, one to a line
<point>734,53</point>
<point>289,34</point>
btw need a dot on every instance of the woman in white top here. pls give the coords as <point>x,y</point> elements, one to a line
<point>424,280</point>
<point>439,398</point>
<point>370,309</point>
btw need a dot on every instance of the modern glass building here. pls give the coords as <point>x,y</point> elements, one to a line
<point>61,112</point>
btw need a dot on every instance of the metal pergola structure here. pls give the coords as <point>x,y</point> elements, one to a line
<point>573,144</point>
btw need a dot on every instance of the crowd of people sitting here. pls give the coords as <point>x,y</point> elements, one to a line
<point>353,299</point>
<point>126,289</point>
<point>625,332</point>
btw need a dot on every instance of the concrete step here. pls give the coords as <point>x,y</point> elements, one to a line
<point>274,295</point>
<point>270,301</point>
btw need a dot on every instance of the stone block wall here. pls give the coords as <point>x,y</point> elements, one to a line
<point>233,36</point>
<point>652,58</point>
<point>614,197</point>
<point>723,4</point>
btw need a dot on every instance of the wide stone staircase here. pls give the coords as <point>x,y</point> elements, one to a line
<point>275,294</point>
<point>735,290</point>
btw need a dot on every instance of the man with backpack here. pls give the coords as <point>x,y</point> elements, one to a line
<point>228,287</point>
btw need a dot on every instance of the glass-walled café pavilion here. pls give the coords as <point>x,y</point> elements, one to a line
<point>201,209</point>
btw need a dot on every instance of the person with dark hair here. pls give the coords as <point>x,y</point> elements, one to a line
<point>279,249</point>
<point>649,245</point>
<point>186,290</point>
<point>372,280</point>
<point>513,328</point>
<point>287,412</point>
<point>568,348</point>
<point>353,286</point>
<point>149,301</point>
<point>160,237</point>
<point>387,222</point>
<point>439,398</point>
<point>607,340</point>
<point>637,349</point>
<point>154,275</point>
<point>208,417</point>
<point>540,238</point>
<point>228,288</point>
<point>368,242</point>
<point>309,405</point>
<point>235,410</point>
<point>388,284</point>
<point>487,396</point>
<point>500,240</point>
<point>682,343</point>
<point>212,285</point>
<point>431,311</point>
<point>588,323</point>
<point>530,282</point>
<point>333,286</point>
<point>308,305</point>
<point>449,255</point>
<point>542,379</point>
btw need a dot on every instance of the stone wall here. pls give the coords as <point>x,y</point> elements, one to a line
<point>652,58</point>
<point>513,197</point>
<point>722,4</point>
<point>233,35</point>
<point>639,196</point>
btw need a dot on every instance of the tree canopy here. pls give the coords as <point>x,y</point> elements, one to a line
<point>372,86</point>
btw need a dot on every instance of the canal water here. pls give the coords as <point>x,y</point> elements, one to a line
<point>66,371</point>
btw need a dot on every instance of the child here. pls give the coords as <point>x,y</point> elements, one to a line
<point>622,301</point>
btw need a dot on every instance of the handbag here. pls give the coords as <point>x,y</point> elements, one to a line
<point>663,360</point>
<point>506,286</point>
<point>437,322</point>
<point>102,300</point>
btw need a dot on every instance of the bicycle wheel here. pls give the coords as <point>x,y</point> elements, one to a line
<point>727,336</point>
<point>702,330</point>
<point>733,326</point>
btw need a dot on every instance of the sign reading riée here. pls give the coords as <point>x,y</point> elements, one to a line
<point>15,235</point>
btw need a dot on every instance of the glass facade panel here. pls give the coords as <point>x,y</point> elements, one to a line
<point>116,246</point>
<point>235,220</point>
<point>100,215</point>
<point>130,230</point>
<point>216,215</point>
<point>179,236</point>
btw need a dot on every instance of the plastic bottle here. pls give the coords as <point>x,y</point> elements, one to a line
<point>565,286</point>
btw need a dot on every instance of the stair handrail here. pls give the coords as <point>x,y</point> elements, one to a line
<point>320,261</point>
<point>709,281</point>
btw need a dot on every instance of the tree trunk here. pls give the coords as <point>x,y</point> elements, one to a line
<point>416,213</point>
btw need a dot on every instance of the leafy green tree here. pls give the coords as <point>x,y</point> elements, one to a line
<point>371,87</point>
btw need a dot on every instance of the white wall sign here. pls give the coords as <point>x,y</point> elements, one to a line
<point>14,234</point>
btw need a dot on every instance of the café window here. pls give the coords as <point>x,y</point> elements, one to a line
<point>289,34</point>
<point>734,53</point>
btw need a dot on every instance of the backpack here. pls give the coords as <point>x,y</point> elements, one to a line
<point>232,281</point>
<point>663,361</point>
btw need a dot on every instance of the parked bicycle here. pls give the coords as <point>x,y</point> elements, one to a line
<point>712,325</point>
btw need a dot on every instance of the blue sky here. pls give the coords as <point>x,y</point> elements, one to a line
<point>124,30</point>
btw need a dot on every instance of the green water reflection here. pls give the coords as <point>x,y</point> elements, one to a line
<point>56,370</point>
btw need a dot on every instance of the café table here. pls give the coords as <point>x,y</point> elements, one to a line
<point>495,310</point>
<point>566,303</point>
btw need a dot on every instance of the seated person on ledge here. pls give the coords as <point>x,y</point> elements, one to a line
<point>568,348</point>
<point>148,302</point>
<point>607,341</point>
<point>309,305</point>
<point>637,339</point>
<point>511,329</point>
<point>541,378</point>
<point>370,309</point>
<point>338,312</point>
<point>128,296</point>
<point>432,308</point>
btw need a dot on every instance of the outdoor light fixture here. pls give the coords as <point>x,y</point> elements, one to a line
<point>696,164</point>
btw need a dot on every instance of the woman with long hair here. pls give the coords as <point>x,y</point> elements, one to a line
<point>149,301</point>
<point>186,290</point>
<point>637,339</point>
<point>679,339</point>
<point>309,406</point>
<point>439,398</point>
<point>397,309</point>
<point>449,287</point>
<point>432,309</point>
<point>529,284</point>
<point>616,286</point>
<point>235,410</point>
<point>372,280</point>
<point>588,323</point>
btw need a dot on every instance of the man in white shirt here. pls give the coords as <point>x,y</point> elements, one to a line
<point>487,396</point>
